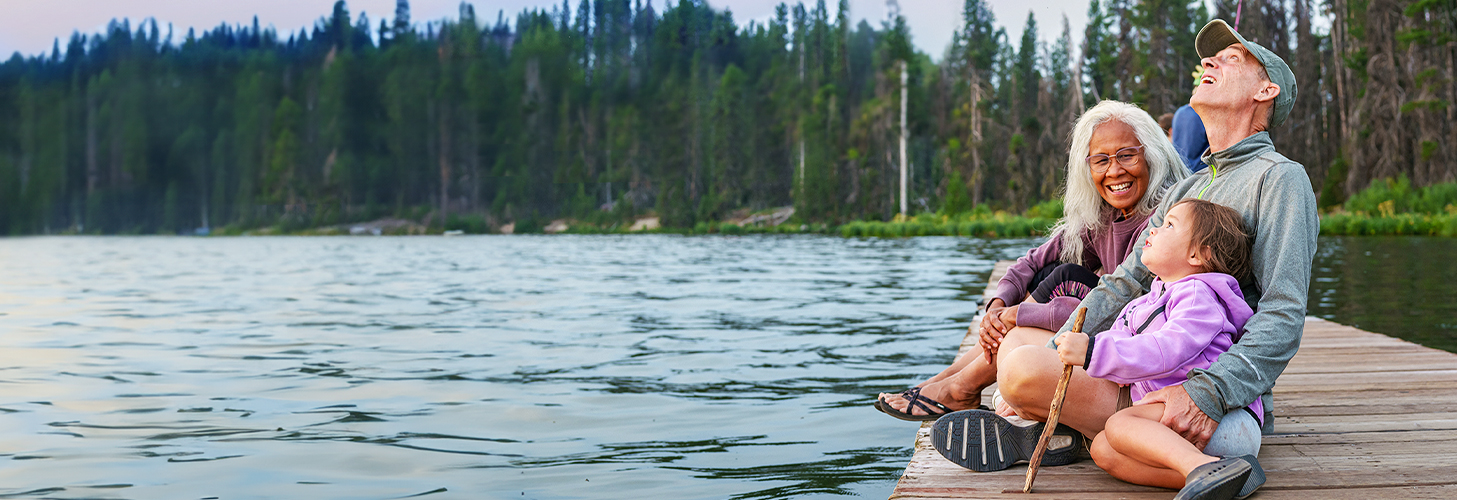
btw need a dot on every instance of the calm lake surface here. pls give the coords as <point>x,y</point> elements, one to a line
<point>516,366</point>
<point>1403,286</point>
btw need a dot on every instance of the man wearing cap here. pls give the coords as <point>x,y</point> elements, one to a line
<point>1246,91</point>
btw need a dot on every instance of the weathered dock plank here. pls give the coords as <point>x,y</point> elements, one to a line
<point>1357,415</point>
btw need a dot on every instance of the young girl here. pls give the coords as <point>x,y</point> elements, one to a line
<point>1194,312</point>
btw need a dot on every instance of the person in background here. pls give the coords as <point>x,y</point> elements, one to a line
<point>1189,138</point>
<point>1166,122</point>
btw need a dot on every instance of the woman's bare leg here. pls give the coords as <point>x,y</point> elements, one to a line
<point>959,391</point>
<point>962,390</point>
<point>956,366</point>
<point>1024,335</point>
<point>1029,377</point>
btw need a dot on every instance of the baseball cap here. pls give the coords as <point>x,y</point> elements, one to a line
<point>1217,35</point>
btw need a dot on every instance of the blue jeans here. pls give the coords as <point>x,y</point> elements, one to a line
<point>1238,434</point>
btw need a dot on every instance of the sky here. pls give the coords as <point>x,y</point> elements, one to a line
<point>31,26</point>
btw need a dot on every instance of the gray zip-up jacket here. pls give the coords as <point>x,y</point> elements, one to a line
<point>1275,197</point>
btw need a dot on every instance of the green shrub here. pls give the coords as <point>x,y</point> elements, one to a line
<point>957,198</point>
<point>1447,225</point>
<point>1333,192</point>
<point>1050,209</point>
<point>1438,198</point>
<point>979,222</point>
<point>469,223</point>
<point>1380,191</point>
<point>1394,207</point>
<point>1403,198</point>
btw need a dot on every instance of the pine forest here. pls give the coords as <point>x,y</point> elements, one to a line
<point>609,110</point>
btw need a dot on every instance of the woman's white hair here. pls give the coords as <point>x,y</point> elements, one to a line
<point>1084,210</point>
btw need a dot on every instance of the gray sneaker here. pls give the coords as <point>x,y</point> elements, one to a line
<point>983,441</point>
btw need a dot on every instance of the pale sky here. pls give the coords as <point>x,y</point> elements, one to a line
<point>30,26</point>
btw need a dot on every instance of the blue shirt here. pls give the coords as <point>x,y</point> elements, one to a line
<point>1189,138</point>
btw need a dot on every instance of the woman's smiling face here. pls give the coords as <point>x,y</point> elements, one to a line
<point>1122,186</point>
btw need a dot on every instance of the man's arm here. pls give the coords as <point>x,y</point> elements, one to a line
<point>1284,246</point>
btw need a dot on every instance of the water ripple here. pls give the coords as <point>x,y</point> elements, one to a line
<point>528,367</point>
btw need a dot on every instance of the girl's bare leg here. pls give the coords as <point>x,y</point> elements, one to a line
<point>1138,449</point>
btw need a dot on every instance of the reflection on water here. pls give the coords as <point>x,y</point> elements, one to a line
<point>474,367</point>
<point>1403,286</point>
<point>518,367</point>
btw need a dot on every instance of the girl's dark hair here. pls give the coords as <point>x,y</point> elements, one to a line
<point>1219,235</point>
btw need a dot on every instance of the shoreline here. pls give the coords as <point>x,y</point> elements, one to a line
<point>980,225</point>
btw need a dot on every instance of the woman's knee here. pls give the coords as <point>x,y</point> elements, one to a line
<point>1024,335</point>
<point>1075,272</point>
<point>1021,373</point>
<point>1066,280</point>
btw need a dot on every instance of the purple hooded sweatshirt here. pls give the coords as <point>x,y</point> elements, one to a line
<point>1203,314</point>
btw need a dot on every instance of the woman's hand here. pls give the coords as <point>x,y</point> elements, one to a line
<point>994,326</point>
<point>1009,317</point>
<point>1072,348</point>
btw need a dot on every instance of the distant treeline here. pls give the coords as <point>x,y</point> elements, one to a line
<point>614,108</point>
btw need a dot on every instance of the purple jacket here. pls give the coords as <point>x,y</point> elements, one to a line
<point>1202,316</point>
<point>1102,252</point>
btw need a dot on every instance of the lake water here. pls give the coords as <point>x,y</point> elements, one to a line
<point>551,367</point>
<point>1403,286</point>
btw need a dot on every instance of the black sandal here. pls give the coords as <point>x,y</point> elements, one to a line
<point>934,409</point>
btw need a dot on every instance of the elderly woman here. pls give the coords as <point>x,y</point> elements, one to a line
<point>1120,164</point>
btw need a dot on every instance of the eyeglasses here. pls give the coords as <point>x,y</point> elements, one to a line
<point>1127,157</point>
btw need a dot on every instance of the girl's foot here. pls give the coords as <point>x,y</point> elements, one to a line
<point>1218,480</point>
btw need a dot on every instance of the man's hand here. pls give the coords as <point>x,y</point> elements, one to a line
<point>1182,415</point>
<point>1072,348</point>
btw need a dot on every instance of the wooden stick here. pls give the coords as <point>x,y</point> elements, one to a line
<point>1054,412</point>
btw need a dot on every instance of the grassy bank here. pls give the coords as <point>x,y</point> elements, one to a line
<point>979,222</point>
<point>705,228</point>
<point>1363,224</point>
<point>1389,207</point>
<point>995,225</point>
<point>1393,207</point>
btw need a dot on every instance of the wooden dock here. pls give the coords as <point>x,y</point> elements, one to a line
<point>1357,415</point>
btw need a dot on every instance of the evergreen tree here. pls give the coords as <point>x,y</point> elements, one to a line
<point>675,110</point>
